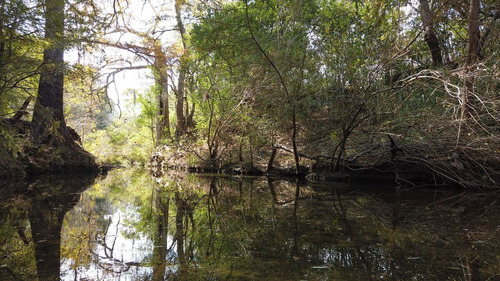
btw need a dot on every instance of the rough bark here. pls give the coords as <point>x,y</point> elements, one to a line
<point>49,103</point>
<point>2,36</point>
<point>190,124</point>
<point>161,80</point>
<point>473,33</point>
<point>430,36</point>
<point>49,129</point>
<point>472,58</point>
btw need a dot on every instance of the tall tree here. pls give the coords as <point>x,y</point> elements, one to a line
<point>430,36</point>
<point>472,57</point>
<point>49,103</point>
<point>161,85</point>
<point>472,54</point>
<point>179,107</point>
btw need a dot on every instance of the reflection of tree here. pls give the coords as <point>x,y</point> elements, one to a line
<point>46,217</point>
<point>45,205</point>
<point>103,236</point>
<point>16,257</point>
<point>162,205</point>
<point>238,228</point>
<point>211,213</point>
<point>414,230</point>
<point>183,218</point>
<point>84,227</point>
<point>295,248</point>
<point>46,225</point>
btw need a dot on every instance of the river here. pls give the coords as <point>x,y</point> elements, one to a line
<point>130,226</point>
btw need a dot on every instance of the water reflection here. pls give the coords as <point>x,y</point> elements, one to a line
<point>129,226</point>
<point>35,212</point>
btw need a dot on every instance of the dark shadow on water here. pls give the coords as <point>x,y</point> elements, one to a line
<point>33,212</point>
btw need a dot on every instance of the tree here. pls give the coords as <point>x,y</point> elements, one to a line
<point>161,84</point>
<point>430,36</point>
<point>19,53</point>
<point>181,126</point>
<point>48,114</point>
<point>473,46</point>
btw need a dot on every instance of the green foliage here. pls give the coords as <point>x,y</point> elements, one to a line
<point>21,52</point>
<point>130,139</point>
<point>312,73</point>
<point>87,105</point>
<point>10,142</point>
<point>121,142</point>
<point>327,59</point>
<point>15,254</point>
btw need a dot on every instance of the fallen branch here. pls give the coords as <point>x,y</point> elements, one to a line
<point>22,111</point>
<point>287,149</point>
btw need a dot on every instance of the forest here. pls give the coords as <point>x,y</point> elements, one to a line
<point>249,140</point>
<point>402,90</point>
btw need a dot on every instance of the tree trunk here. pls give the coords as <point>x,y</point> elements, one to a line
<point>160,237</point>
<point>345,135</point>
<point>472,57</point>
<point>179,230</point>
<point>429,33</point>
<point>270,164</point>
<point>179,108</point>
<point>473,33</point>
<point>190,124</point>
<point>250,150</point>
<point>486,33</point>
<point>294,141</point>
<point>161,81</point>
<point>2,35</point>
<point>240,150</point>
<point>23,110</point>
<point>49,103</point>
<point>213,151</point>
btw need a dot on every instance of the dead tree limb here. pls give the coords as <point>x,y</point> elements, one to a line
<point>22,111</point>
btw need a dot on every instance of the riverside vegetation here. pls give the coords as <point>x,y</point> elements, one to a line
<point>401,90</point>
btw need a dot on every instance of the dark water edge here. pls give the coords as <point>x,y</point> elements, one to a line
<point>31,215</point>
<point>130,226</point>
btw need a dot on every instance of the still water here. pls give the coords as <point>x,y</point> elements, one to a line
<point>129,226</point>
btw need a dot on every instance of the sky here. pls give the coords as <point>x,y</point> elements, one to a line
<point>139,16</point>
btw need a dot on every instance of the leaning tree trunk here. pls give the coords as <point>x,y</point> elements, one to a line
<point>430,36</point>
<point>48,114</point>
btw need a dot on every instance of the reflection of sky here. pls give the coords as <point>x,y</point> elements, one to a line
<point>122,257</point>
<point>251,233</point>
